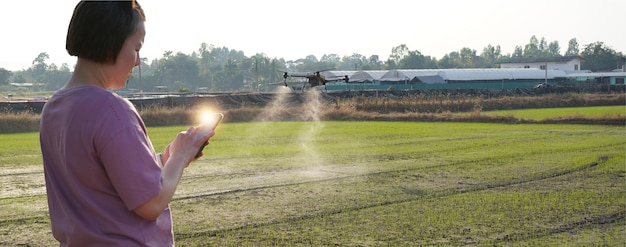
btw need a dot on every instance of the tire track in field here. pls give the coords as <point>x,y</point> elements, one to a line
<point>587,223</point>
<point>24,220</point>
<point>420,196</point>
<point>444,148</point>
<point>374,157</point>
<point>370,174</point>
<point>21,174</point>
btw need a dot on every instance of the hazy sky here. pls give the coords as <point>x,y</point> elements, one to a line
<point>296,29</point>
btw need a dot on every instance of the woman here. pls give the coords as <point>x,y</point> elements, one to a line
<point>105,183</point>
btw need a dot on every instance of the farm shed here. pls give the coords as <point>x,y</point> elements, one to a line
<point>412,76</point>
<point>453,75</point>
<point>367,76</point>
<point>612,78</point>
<point>435,76</point>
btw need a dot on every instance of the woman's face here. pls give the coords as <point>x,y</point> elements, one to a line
<point>128,58</point>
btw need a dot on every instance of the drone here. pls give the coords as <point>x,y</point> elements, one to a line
<point>314,79</point>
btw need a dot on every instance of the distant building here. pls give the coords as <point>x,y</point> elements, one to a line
<point>25,84</point>
<point>567,63</point>
<point>513,73</point>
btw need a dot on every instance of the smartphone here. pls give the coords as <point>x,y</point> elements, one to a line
<point>209,122</point>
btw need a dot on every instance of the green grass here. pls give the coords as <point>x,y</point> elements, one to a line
<point>544,113</point>
<point>371,184</point>
<point>19,151</point>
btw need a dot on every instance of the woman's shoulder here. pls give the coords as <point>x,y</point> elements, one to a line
<point>94,101</point>
<point>82,92</point>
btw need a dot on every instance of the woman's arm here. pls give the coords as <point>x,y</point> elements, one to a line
<point>177,156</point>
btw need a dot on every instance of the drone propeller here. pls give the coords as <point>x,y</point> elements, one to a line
<point>324,70</point>
<point>305,74</point>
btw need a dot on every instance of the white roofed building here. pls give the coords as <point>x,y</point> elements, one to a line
<point>566,63</point>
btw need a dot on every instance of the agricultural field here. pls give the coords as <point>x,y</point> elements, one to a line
<point>546,113</point>
<point>368,183</point>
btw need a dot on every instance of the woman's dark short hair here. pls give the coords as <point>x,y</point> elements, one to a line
<point>98,29</point>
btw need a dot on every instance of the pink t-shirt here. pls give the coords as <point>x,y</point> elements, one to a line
<point>99,165</point>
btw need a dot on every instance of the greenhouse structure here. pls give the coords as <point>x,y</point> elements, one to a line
<point>408,79</point>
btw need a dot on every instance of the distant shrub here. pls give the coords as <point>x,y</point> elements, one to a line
<point>19,122</point>
<point>163,116</point>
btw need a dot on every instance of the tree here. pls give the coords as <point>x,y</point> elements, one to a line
<point>262,70</point>
<point>572,48</point>
<point>449,61</point>
<point>4,76</point>
<point>554,50</point>
<point>205,61</point>
<point>276,69</point>
<point>230,78</point>
<point>39,65</point>
<point>518,52</point>
<point>543,45</point>
<point>373,63</point>
<point>353,62</point>
<point>397,53</point>
<point>180,67</point>
<point>55,77</point>
<point>19,78</point>
<point>599,57</point>
<point>330,61</point>
<point>490,56</point>
<point>532,49</point>
<point>415,60</point>
<point>540,48</point>
<point>468,57</point>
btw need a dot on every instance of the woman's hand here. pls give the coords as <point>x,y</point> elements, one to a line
<point>177,155</point>
<point>186,145</point>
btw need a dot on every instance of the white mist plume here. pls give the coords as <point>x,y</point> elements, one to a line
<point>310,111</point>
<point>277,106</point>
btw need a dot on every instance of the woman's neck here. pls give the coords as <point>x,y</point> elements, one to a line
<point>88,73</point>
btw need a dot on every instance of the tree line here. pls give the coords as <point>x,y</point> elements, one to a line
<point>220,69</point>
